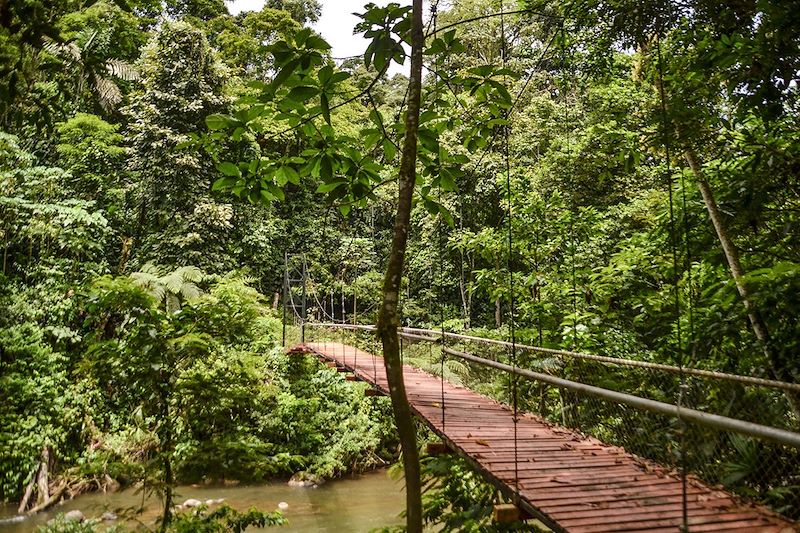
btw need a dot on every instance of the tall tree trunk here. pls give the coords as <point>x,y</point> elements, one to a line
<point>388,318</point>
<point>776,366</point>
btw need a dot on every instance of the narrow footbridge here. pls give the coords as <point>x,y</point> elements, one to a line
<point>568,481</point>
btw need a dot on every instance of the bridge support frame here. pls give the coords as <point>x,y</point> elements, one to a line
<point>438,448</point>
<point>506,513</point>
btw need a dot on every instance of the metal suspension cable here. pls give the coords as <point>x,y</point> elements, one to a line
<point>572,206</point>
<point>293,306</point>
<point>772,434</point>
<point>506,133</point>
<point>440,228</point>
<point>519,94</point>
<point>676,276</point>
<point>284,295</point>
<point>430,335</point>
<point>321,306</point>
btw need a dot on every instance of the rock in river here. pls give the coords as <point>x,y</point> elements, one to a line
<point>305,479</point>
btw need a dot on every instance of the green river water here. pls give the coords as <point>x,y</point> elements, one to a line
<point>356,504</point>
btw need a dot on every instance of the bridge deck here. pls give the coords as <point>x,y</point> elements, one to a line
<point>569,481</point>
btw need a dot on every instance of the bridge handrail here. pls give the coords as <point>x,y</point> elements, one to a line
<point>725,376</point>
<point>751,380</point>
<point>780,436</point>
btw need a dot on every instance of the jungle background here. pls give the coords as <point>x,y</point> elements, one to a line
<point>140,295</point>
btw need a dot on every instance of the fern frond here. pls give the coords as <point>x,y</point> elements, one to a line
<point>108,92</point>
<point>546,364</point>
<point>151,268</point>
<point>190,291</point>
<point>190,273</point>
<point>122,70</point>
<point>173,282</point>
<point>69,51</point>
<point>456,368</point>
<point>149,282</point>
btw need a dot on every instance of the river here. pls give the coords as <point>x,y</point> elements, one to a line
<point>351,505</point>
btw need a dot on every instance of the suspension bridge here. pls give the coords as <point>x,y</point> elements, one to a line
<point>587,442</point>
<point>567,480</point>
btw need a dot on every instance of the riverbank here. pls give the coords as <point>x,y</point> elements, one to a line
<point>354,504</point>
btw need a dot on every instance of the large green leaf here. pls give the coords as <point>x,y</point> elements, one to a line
<point>301,93</point>
<point>229,169</point>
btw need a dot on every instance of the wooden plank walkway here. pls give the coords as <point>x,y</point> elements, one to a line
<point>567,480</point>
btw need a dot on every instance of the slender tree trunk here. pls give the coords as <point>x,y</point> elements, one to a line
<point>776,366</point>
<point>43,480</point>
<point>388,318</point>
<point>166,450</point>
<point>23,504</point>
<point>125,253</point>
<point>5,254</point>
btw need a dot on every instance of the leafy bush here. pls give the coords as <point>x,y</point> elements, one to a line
<point>223,520</point>
<point>39,404</point>
<point>61,525</point>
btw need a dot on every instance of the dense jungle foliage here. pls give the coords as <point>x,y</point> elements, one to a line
<point>158,160</point>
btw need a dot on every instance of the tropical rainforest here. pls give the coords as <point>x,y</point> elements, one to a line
<point>619,178</point>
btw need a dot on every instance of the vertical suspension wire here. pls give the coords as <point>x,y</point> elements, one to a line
<point>510,265</point>
<point>572,206</point>
<point>342,329</point>
<point>440,235</point>
<point>304,303</point>
<point>377,254</point>
<point>285,295</point>
<point>572,406</point>
<point>676,294</point>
